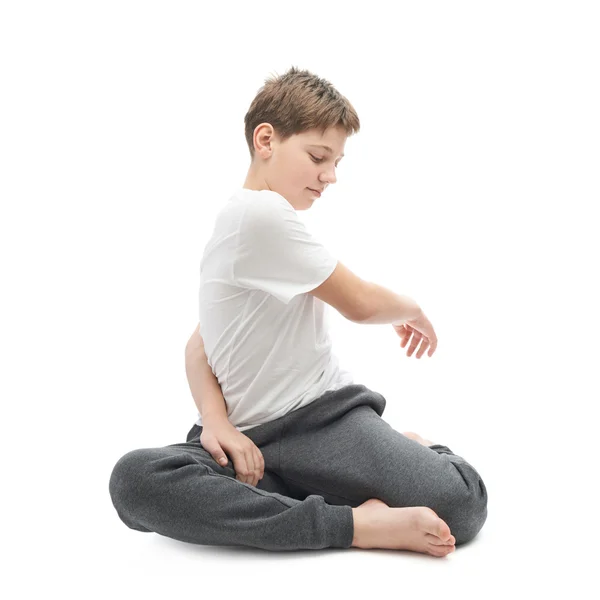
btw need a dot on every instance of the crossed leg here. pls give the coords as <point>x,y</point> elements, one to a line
<point>412,528</point>
<point>344,451</point>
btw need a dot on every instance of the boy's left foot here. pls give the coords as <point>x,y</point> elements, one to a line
<point>415,436</point>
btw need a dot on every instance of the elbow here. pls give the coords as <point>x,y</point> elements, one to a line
<point>357,317</point>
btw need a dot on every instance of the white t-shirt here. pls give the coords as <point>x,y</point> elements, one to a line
<point>265,337</point>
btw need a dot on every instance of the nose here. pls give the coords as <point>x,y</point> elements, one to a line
<point>329,177</point>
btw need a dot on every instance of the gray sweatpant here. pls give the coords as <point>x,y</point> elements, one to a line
<point>320,461</point>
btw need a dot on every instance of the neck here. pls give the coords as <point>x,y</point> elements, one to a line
<point>255,181</point>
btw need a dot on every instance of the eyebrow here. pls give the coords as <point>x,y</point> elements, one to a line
<point>326,148</point>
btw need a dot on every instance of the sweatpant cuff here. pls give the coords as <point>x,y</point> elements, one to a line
<point>339,526</point>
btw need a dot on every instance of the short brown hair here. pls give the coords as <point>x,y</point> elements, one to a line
<point>296,102</point>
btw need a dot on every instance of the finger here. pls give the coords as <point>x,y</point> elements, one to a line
<point>405,337</point>
<point>241,468</point>
<point>414,343</point>
<point>423,342</point>
<point>260,462</point>
<point>424,346</point>
<point>252,466</point>
<point>253,475</point>
<point>251,478</point>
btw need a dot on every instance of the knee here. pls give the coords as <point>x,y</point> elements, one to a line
<point>465,524</point>
<point>126,486</point>
<point>466,513</point>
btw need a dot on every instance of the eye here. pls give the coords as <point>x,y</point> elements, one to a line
<point>320,160</point>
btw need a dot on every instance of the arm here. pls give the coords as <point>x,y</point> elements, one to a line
<point>386,306</point>
<point>204,386</point>
<point>362,301</point>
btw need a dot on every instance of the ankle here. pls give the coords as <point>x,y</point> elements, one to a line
<point>359,528</point>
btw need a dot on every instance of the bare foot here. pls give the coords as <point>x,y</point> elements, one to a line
<point>415,436</point>
<point>415,528</point>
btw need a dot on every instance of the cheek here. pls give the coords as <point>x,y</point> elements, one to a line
<point>311,174</point>
<point>303,175</point>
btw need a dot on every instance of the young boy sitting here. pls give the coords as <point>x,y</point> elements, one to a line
<point>313,464</point>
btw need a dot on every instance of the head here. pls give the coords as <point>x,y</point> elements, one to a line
<point>289,123</point>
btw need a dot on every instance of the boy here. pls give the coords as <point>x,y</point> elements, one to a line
<point>316,466</point>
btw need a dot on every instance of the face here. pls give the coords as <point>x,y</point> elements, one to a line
<point>294,167</point>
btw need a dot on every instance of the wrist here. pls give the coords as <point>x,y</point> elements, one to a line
<point>215,420</point>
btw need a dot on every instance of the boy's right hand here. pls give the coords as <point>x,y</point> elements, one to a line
<point>218,437</point>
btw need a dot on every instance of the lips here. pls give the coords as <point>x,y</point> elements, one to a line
<point>316,192</point>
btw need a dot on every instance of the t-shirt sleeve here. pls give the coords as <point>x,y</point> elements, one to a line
<point>277,254</point>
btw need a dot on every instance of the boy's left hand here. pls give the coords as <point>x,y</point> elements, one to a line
<point>405,331</point>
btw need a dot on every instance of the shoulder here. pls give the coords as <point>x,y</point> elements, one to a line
<point>267,210</point>
<point>263,200</point>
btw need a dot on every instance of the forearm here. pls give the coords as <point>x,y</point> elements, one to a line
<point>204,386</point>
<point>388,307</point>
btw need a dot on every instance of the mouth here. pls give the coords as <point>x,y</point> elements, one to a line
<point>315,192</point>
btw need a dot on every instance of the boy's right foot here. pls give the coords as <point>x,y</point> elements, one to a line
<point>415,528</point>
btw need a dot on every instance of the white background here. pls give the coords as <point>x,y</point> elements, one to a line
<point>472,187</point>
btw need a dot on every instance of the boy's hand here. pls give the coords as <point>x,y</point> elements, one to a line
<point>422,331</point>
<point>218,437</point>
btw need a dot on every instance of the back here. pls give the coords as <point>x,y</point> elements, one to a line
<point>265,336</point>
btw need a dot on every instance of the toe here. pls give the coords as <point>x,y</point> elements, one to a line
<point>436,541</point>
<point>440,551</point>
<point>443,531</point>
